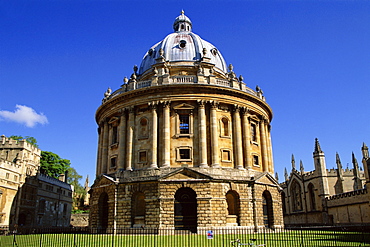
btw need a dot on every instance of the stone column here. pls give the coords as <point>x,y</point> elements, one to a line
<point>263,145</point>
<point>202,134</point>
<point>130,138</point>
<point>166,135</point>
<point>269,148</point>
<point>238,145</point>
<point>100,144</point>
<point>246,140</point>
<point>121,143</point>
<point>214,135</point>
<point>154,135</point>
<point>104,157</point>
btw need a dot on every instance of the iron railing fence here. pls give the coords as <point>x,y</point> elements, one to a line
<point>212,237</point>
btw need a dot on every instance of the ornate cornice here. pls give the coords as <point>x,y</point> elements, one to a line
<point>171,91</point>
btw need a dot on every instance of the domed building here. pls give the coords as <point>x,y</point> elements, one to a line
<point>184,144</point>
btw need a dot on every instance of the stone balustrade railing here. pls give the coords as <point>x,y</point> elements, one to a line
<point>178,79</point>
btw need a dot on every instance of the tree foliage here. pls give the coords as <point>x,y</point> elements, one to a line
<point>73,179</point>
<point>52,165</point>
<point>29,139</point>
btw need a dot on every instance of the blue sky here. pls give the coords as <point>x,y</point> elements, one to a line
<point>311,59</point>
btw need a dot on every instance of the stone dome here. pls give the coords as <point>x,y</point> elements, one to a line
<point>182,45</point>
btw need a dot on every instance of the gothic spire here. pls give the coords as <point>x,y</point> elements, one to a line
<point>355,165</point>
<point>339,166</point>
<point>357,184</point>
<point>317,146</point>
<point>301,167</point>
<point>293,162</point>
<point>286,174</point>
<point>365,151</point>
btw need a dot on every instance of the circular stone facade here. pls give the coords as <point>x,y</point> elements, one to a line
<point>184,134</point>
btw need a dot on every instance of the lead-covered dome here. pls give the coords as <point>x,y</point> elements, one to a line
<point>182,45</point>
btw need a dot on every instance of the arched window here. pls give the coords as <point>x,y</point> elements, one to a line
<point>233,206</point>
<point>225,127</point>
<point>103,211</point>
<point>114,134</point>
<point>311,194</point>
<point>296,196</point>
<point>138,209</point>
<point>253,132</point>
<point>268,215</point>
<point>143,129</point>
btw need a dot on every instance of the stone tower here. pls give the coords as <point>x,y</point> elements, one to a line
<point>184,144</point>
<point>320,168</point>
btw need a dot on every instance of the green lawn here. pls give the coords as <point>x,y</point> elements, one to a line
<point>281,239</point>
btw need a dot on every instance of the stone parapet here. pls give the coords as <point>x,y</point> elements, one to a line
<point>356,196</point>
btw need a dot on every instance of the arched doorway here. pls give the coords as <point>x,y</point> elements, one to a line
<point>186,210</point>
<point>268,215</point>
<point>103,211</point>
<point>233,207</point>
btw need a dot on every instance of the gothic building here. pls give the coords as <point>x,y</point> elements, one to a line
<point>327,196</point>
<point>184,144</point>
<point>28,198</point>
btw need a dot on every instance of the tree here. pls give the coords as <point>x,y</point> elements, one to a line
<point>52,165</point>
<point>29,139</point>
<point>73,179</point>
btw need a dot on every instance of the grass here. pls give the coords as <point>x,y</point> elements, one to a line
<point>280,239</point>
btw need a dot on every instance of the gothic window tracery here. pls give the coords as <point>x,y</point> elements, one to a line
<point>295,192</point>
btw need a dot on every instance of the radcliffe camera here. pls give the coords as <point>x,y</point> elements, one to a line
<point>228,124</point>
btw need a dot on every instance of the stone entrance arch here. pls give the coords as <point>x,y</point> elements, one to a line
<point>268,215</point>
<point>186,210</point>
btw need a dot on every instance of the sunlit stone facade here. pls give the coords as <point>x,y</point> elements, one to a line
<point>28,198</point>
<point>184,144</point>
